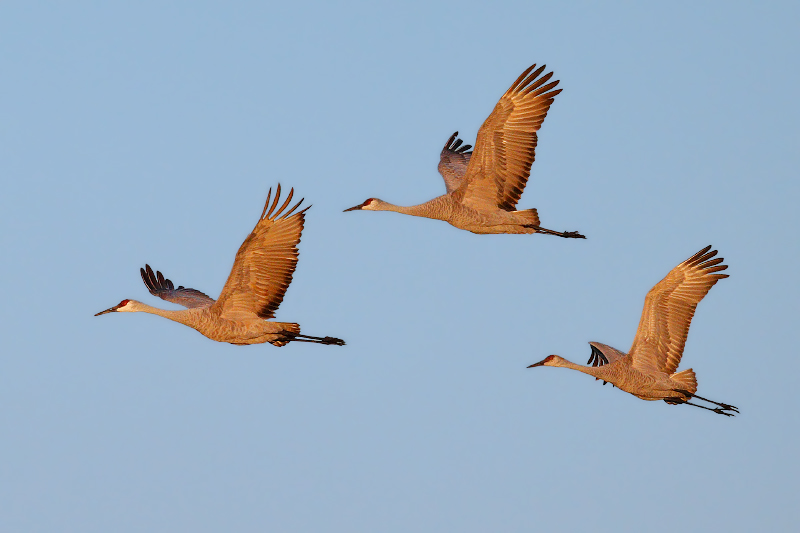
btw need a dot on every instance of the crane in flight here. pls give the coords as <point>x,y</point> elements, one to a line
<point>648,370</point>
<point>484,186</point>
<point>261,273</point>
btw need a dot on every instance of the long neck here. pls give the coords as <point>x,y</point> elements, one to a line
<point>595,371</point>
<point>438,208</point>
<point>185,317</point>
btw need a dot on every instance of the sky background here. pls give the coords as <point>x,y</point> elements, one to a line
<point>151,134</point>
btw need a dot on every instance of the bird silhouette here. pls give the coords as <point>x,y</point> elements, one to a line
<point>261,273</point>
<point>484,186</point>
<point>648,370</point>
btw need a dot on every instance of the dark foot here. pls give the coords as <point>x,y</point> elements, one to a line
<point>721,410</point>
<point>317,340</point>
<point>566,234</point>
<point>724,406</point>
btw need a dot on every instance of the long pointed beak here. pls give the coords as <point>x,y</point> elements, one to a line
<point>109,310</point>
<point>359,206</point>
<point>540,363</point>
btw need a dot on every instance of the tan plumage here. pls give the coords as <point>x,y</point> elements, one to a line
<point>668,311</point>
<point>261,273</point>
<point>484,186</point>
<point>265,263</point>
<point>506,145</point>
<point>648,370</point>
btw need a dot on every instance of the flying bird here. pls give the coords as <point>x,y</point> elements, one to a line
<point>261,273</point>
<point>648,370</point>
<point>484,186</point>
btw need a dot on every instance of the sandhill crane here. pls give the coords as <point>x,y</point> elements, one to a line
<point>261,273</point>
<point>648,370</point>
<point>484,187</point>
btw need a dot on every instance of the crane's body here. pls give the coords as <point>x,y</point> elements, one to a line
<point>648,370</point>
<point>248,330</point>
<point>261,273</point>
<point>484,186</point>
<point>448,209</point>
<point>646,385</point>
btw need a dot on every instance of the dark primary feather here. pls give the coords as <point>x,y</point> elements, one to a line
<point>603,354</point>
<point>453,162</point>
<point>597,358</point>
<point>453,144</point>
<point>160,286</point>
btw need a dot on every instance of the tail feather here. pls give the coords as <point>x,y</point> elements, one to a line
<point>686,380</point>
<point>290,328</point>
<point>531,215</point>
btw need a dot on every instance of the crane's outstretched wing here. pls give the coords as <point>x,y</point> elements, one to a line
<point>668,311</point>
<point>160,286</point>
<point>264,264</point>
<point>453,162</point>
<point>505,148</point>
<point>603,354</point>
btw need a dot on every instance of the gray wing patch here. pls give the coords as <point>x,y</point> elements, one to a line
<point>160,286</point>
<point>453,162</point>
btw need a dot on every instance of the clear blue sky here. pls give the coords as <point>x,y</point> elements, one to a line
<point>152,133</point>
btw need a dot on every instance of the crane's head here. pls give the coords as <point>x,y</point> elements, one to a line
<point>550,360</point>
<point>370,204</point>
<point>123,306</point>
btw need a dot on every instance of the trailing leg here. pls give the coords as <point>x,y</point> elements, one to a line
<point>717,410</point>
<point>318,340</point>
<point>566,234</point>
<point>722,406</point>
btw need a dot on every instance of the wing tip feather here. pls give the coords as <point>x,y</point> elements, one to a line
<point>706,261</point>
<point>271,213</point>
<point>454,144</point>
